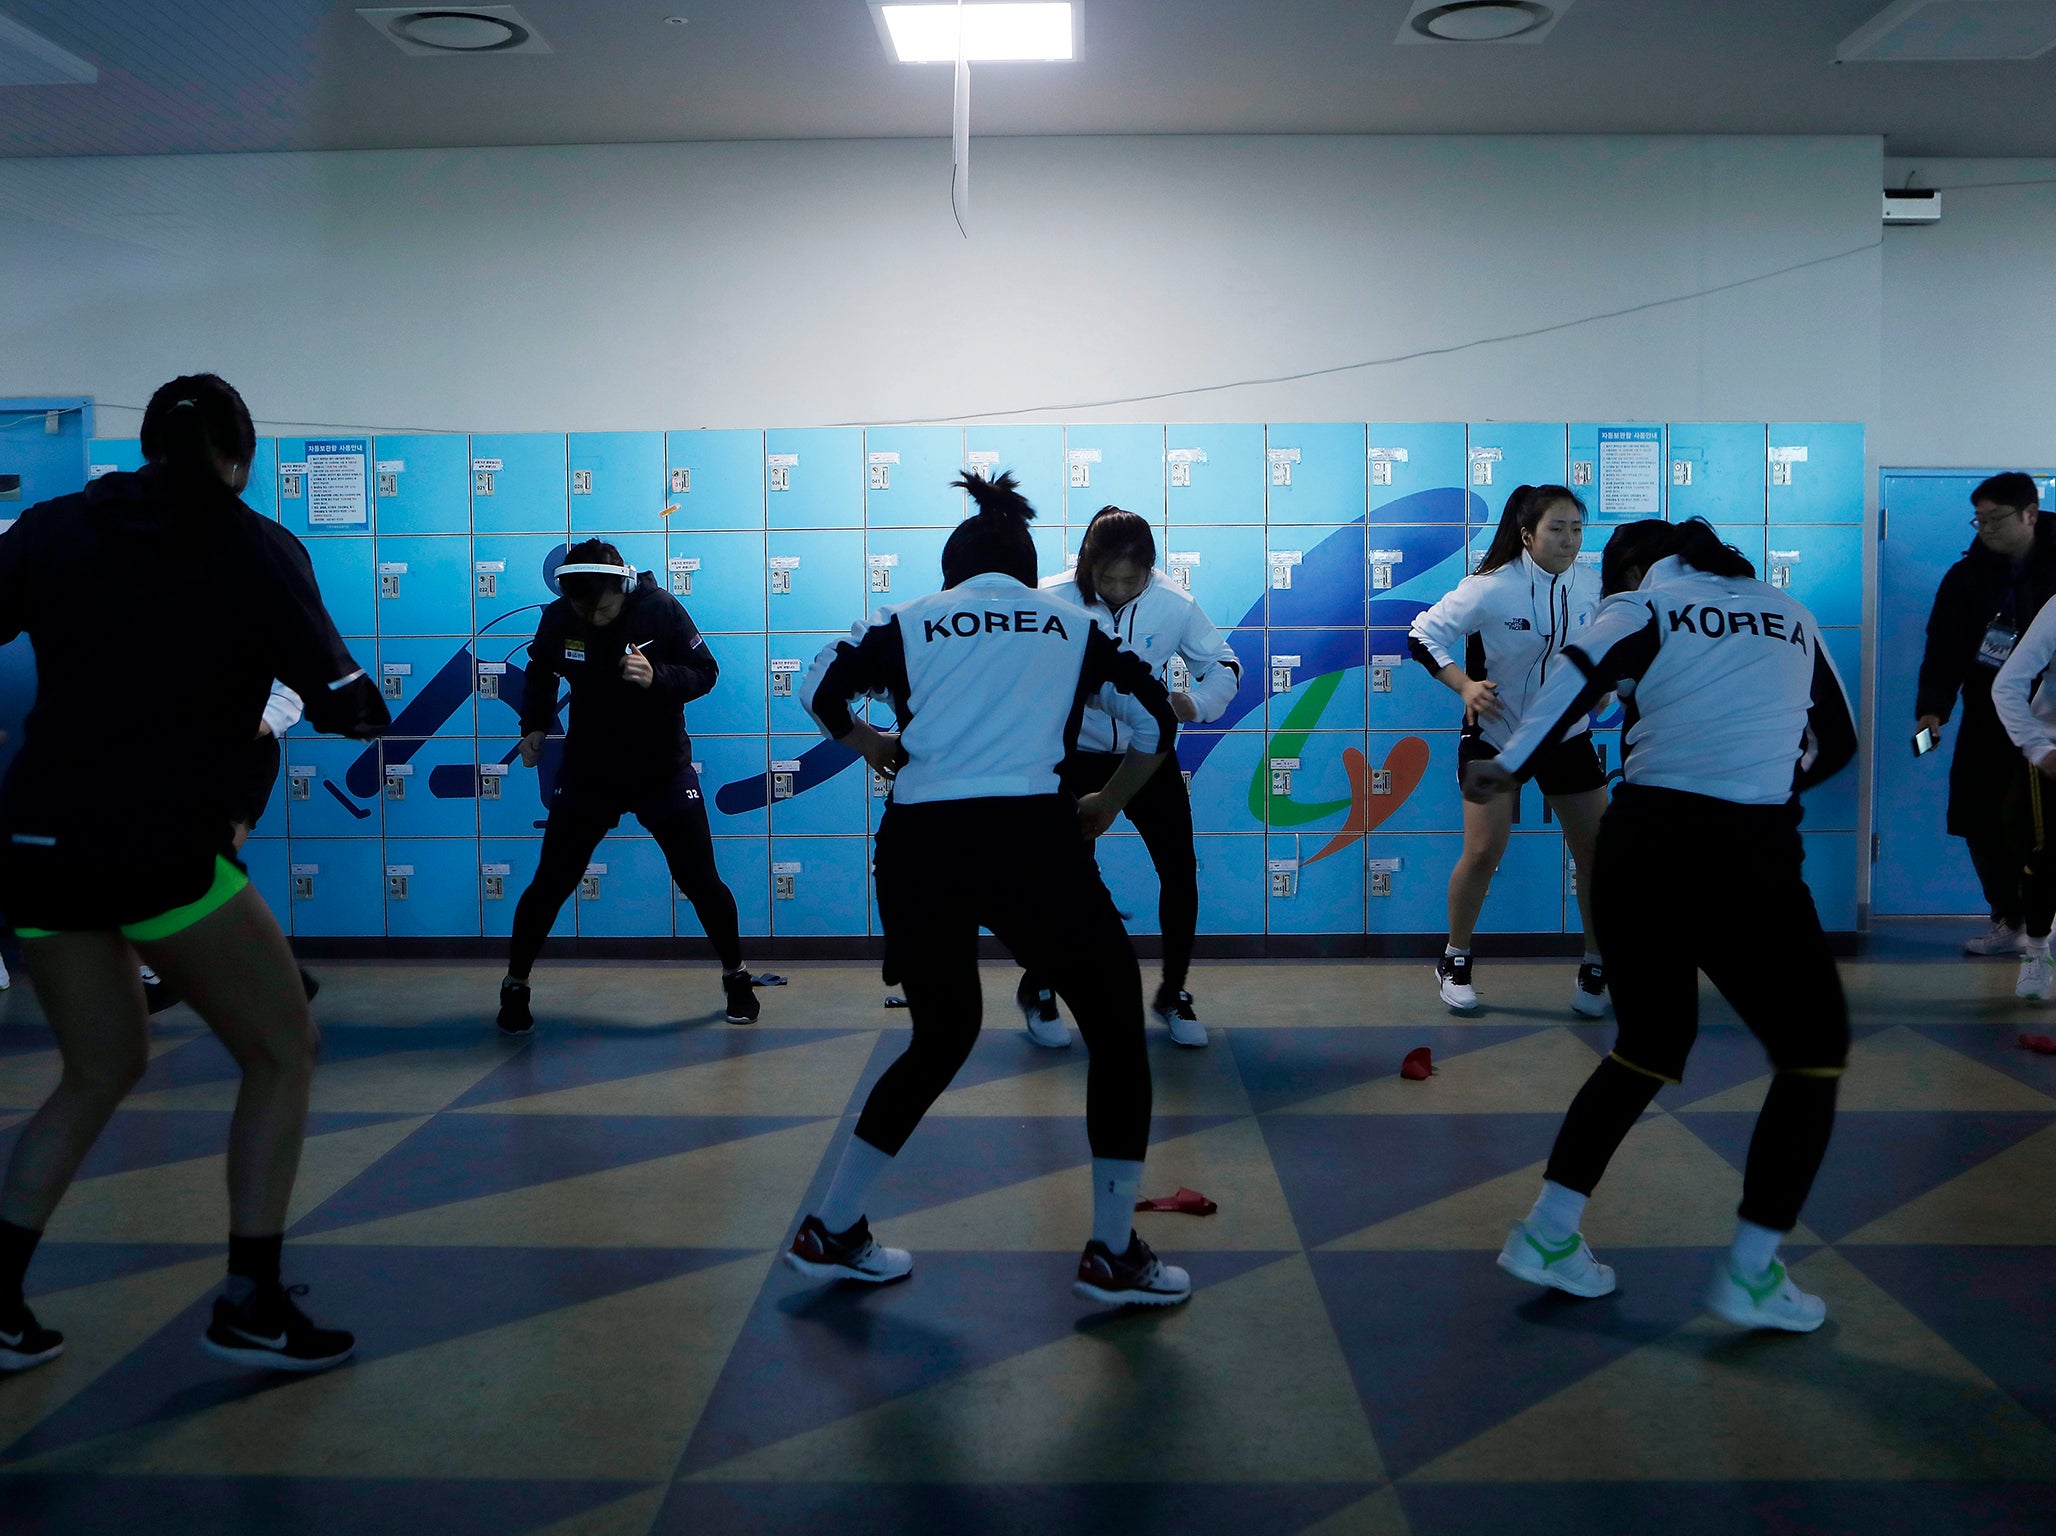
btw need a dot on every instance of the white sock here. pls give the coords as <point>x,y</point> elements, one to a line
<point>1450,950</point>
<point>2038,948</point>
<point>1115,1184</point>
<point>1557,1211</point>
<point>843,1206</point>
<point>1592,959</point>
<point>511,980</point>
<point>1755,1249</point>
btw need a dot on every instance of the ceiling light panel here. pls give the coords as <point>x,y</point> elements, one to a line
<point>442,31</point>
<point>1953,32</point>
<point>993,33</point>
<point>29,58</point>
<point>1477,23</point>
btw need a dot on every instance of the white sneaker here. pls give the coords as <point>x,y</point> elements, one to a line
<point>1046,1027</point>
<point>820,1254</point>
<point>1175,1009</point>
<point>6,980</point>
<point>2037,977</point>
<point>1772,1302</point>
<point>1588,997</point>
<point>1999,939</point>
<point>1453,972</point>
<point>1565,1266</point>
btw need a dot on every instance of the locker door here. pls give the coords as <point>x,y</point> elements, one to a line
<point>817,788</point>
<point>626,892</point>
<point>1035,456</point>
<point>1412,784</point>
<point>338,886</point>
<point>902,563</point>
<point>1422,565</point>
<point>734,779</point>
<point>424,585</point>
<point>1310,890</point>
<point>1315,472</point>
<point>820,886</point>
<point>1407,879</point>
<point>1620,471</point>
<point>330,787</point>
<point>501,679</point>
<point>1822,566</point>
<point>720,579</point>
<point>1416,472</point>
<point>1403,697</point>
<point>1717,472</point>
<point>518,483</point>
<point>814,477</point>
<point>1316,679</point>
<point>1317,577</point>
<point>1223,568</point>
<point>432,888</point>
<point>907,475</point>
<point>1118,466</point>
<point>737,704</point>
<point>1816,473</point>
<point>342,508</point>
<point>816,580</point>
<point>1749,539</point>
<point>1505,454</point>
<point>343,570</point>
<point>644,551</point>
<point>1222,769</point>
<point>791,655</point>
<point>266,859</point>
<point>1214,474</point>
<point>716,479</point>
<point>1831,807</point>
<point>1528,887</point>
<point>422,483</point>
<point>1247,711</point>
<point>428,685</point>
<point>1831,876</point>
<point>1231,884</point>
<point>124,456</point>
<point>617,483</point>
<point>745,865</point>
<point>512,581</point>
<point>514,801</point>
<point>1049,548</point>
<point>430,789</point>
<point>506,865</point>
<point>261,494</point>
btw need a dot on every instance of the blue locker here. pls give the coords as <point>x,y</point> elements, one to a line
<point>1403,697</point>
<point>1408,881</point>
<point>817,788</point>
<point>627,891</point>
<point>265,859</point>
<point>1317,578</point>
<point>1316,472</point>
<point>1214,474</point>
<point>430,789</point>
<point>1621,471</point>
<point>716,480</point>
<point>1049,548</point>
<point>737,706</point>
<point>1130,878</point>
<point>734,778</point>
<point>816,580</point>
<point>1223,568</point>
<point>791,656</point>
<point>261,494</point>
<point>501,678</point>
<point>432,888</point>
<point>1416,472</point>
<point>1506,454</point>
<point>424,585</point>
<point>329,787</point>
<point>1307,782</point>
<point>1831,876</point>
<point>814,477</point>
<point>512,801</point>
<point>1749,539</point>
<point>124,455</point>
<point>296,509</point>
<point>344,571</point>
<point>338,886</point>
<point>422,483</point>
<point>1311,890</point>
<point>1231,884</point>
<point>1221,770</point>
<point>745,865</point>
<point>513,579</point>
<point>644,551</point>
<point>902,563</point>
<point>518,483</point>
<point>1112,466</point>
<point>907,475</point>
<point>1035,457</point>
<point>1816,473</point>
<point>1528,889</point>
<point>1315,679</point>
<point>1831,807</point>
<point>428,685</point>
<point>1412,780</point>
<point>1717,471</point>
<point>720,579</point>
<point>505,867</point>
<point>1429,562</point>
<point>617,483</point>
<point>820,886</point>
<point>1822,567</point>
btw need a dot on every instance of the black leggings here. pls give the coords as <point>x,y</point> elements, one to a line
<point>1021,867</point>
<point>1682,884</point>
<point>2030,847</point>
<point>1162,813</point>
<point>673,814</point>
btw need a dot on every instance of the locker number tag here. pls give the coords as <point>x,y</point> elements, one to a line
<point>681,482</point>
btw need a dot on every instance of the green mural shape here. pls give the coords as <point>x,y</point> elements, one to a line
<point>1282,810</point>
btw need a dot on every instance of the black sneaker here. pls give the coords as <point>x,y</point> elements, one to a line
<point>824,1255</point>
<point>515,1019</point>
<point>1176,1011</point>
<point>1454,974</point>
<point>742,997</point>
<point>309,985</point>
<point>266,1330</point>
<point>1137,1278</point>
<point>25,1343</point>
<point>1589,997</point>
<point>1038,1005</point>
<point>157,992</point>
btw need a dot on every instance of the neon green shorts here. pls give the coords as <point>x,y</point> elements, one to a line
<point>229,882</point>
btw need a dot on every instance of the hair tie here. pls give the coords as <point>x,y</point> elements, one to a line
<point>193,403</point>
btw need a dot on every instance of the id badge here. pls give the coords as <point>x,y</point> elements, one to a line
<point>1998,645</point>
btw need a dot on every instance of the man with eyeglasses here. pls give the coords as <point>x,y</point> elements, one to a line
<point>1986,601</point>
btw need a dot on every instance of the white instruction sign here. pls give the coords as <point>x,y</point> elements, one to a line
<point>335,483</point>
<point>1631,471</point>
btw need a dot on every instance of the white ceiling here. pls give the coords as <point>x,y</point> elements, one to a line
<point>183,76</point>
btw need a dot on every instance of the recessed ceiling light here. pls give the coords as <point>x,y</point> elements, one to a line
<point>1952,31</point>
<point>1481,21</point>
<point>29,58</point>
<point>469,29</point>
<point>927,34</point>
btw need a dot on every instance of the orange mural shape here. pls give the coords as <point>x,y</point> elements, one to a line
<point>1407,763</point>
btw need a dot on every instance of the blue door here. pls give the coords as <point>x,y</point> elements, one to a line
<point>1224,569</point>
<point>1112,466</point>
<point>1315,472</point>
<point>715,479</point>
<point>345,571</point>
<point>1034,456</point>
<point>424,585</point>
<point>816,580</point>
<point>617,483</point>
<point>338,886</point>
<point>1214,474</point>
<point>1816,473</point>
<point>745,866</point>
<point>1619,471</point>
<point>902,563</point>
<point>626,892</point>
<point>1717,471</point>
<point>1506,454</point>
<point>907,475</point>
<point>814,477</point>
<point>1416,472</point>
<point>432,888</point>
<point>1822,566</point>
<point>421,484</point>
<point>324,485</point>
<point>513,579</point>
<point>43,450</point>
<point>430,789</point>
<point>428,686</point>
<point>330,787</point>
<point>720,579</point>
<point>513,800</point>
<point>506,865</point>
<point>1231,884</point>
<point>820,886</point>
<point>518,483</point>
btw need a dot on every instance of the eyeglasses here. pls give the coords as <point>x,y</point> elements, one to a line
<point>1998,520</point>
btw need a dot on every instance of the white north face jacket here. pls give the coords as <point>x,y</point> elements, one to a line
<point>1163,624</point>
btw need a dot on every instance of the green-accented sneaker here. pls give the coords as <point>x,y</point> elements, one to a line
<point>1566,1266</point>
<point>1769,1301</point>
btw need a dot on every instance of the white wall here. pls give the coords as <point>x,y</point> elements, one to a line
<point>804,283</point>
<point>1970,320</point>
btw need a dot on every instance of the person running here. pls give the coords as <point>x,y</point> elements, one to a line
<point>988,679</point>
<point>634,660</point>
<point>1733,708</point>
<point>100,864</point>
<point>1117,582</point>
<point>1496,642</point>
<point>2026,707</point>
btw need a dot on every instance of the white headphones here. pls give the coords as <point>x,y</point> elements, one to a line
<point>627,573</point>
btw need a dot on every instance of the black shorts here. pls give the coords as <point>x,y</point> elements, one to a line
<point>1567,768</point>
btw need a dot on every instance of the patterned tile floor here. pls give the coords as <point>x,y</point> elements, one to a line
<point>560,1257</point>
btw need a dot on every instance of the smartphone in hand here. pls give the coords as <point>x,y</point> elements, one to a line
<point>1925,740</point>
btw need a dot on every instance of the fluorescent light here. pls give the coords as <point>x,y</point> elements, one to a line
<point>927,34</point>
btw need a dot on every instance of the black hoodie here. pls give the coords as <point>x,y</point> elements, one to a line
<point>1977,589</point>
<point>160,609</point>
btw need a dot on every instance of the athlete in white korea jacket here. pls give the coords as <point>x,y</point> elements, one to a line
<point>2026,706</point>
<point>1166,627</point>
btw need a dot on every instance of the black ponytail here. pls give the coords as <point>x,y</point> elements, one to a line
<point>995,537</point>
<point>1114,533</point>
<point>1700,547</point>
<point>191,420</point>
<point>1524,511</point>
<point>1635,547</point>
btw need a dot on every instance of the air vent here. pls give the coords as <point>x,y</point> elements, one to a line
<point>1475,22</point>
<point>474,29</point>
<point>1953,32</point>
<point>29,58</point>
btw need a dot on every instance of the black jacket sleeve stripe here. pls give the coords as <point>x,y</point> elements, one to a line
<point>1108,661</point>
<point>1626,658</point>
<point>1830,729</point>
